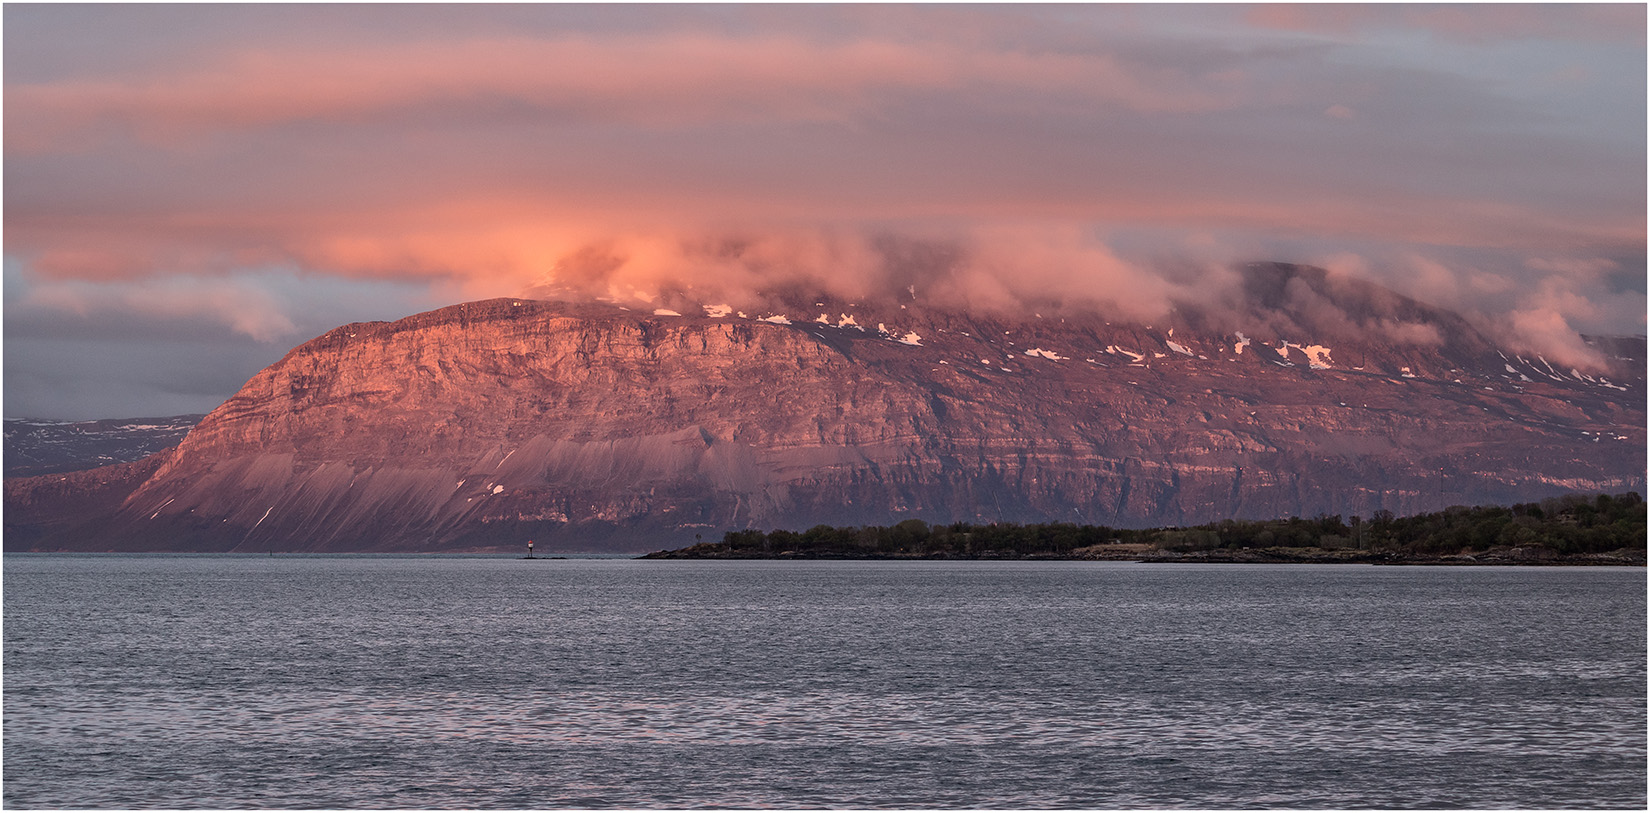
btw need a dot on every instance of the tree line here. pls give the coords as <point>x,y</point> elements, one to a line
<point>1572,524</point>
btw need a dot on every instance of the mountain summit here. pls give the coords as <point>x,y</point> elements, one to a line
<point>590,426</point>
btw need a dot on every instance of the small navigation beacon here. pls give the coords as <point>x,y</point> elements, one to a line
<point>529,548</point>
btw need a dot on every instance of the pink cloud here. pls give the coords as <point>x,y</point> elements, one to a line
<point>636,164</point>
<point>1546,333</point>
<point>655,80</point>
<point>1546,315</point>
<point>992,156</point>
<point>245,309</point>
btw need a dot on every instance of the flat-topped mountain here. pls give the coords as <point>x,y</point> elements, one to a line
<point>589,426</point>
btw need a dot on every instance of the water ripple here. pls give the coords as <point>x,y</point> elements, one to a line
<point>373,683</point>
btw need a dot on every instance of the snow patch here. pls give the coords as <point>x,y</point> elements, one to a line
<point>665,312</point>
<point>169,502</point>
<point>823,319</point>
<point>1317,356</point>
<point>1405,373</point>
<point>498,489</point>
<point>1048,354</point>
<point>848,321</point>
<point>778,320</point>
<point>1243,341</point>
<point>717,311</point>
<point>912,339</point>
<point>1179,348</point>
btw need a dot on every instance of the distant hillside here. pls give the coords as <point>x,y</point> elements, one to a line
<point>34,446</point>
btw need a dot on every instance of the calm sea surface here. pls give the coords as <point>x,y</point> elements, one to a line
<point>405,682</point>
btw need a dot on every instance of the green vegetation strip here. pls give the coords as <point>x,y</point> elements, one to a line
<point>1576,529</point>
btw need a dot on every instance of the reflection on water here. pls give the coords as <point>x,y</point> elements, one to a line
<point>404,682</point>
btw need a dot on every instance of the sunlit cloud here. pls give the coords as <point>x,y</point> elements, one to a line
<point>1490,159</point>
<point>246,309</point>
<point>657,80</point>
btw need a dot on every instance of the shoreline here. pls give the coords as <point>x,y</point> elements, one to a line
<point>1515,558</point>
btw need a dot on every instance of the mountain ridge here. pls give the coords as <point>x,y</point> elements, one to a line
<point>591,426</point>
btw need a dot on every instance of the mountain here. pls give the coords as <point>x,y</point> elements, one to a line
<point>593,427</point>
<point>35,446</point>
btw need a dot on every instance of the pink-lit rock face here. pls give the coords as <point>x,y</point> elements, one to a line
<point>590,427</point>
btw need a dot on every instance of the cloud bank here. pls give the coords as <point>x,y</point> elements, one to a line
<point>193,163</point>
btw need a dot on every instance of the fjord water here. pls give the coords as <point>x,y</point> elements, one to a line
<point>433,682</point>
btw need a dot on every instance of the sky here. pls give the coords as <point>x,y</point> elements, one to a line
<point>191,190</point>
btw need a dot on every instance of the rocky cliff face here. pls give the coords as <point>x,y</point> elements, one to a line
<point>590,427</point>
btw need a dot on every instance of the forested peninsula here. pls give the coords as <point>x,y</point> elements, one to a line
<point>1571,530</point>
